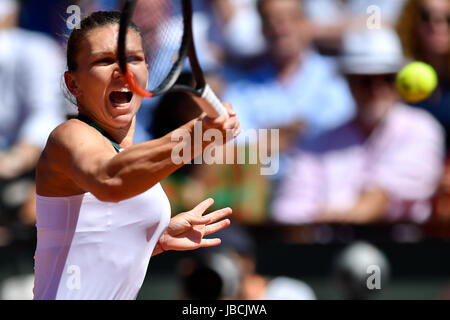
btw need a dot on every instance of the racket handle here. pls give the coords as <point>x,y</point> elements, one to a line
<point>216,107</point>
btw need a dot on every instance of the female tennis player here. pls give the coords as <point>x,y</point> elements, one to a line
<point>101,212</point>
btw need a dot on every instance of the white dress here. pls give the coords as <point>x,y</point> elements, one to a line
<point>89,249</point>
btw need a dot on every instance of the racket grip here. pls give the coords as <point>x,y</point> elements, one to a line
<point>216,108</point>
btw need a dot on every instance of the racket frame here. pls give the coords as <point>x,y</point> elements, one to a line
<point>187,49</point>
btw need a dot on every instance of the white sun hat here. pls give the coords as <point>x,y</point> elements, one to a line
<point>371,51</point>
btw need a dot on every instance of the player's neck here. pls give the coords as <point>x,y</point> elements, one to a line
<point>125,135</point>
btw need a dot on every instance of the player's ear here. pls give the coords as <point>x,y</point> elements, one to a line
<point>71,84</point>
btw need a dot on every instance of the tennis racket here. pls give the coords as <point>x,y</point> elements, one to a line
<point>166,27</point>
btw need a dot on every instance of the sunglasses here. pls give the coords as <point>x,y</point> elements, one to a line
<point>426,16</point>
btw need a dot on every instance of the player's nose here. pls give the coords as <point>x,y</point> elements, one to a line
<point>117,74</point>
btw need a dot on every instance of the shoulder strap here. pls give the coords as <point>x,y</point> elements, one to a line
<point>103,132</point>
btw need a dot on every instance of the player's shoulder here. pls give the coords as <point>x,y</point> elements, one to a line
<point>69,127</point>
<point>72,132</point>
<point>71,141</point>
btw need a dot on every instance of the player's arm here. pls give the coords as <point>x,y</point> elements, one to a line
<point>82,155</point>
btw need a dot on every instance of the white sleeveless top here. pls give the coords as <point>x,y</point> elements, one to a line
<point>89,249</point>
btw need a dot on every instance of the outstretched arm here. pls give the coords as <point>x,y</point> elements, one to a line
<point>82,157</point>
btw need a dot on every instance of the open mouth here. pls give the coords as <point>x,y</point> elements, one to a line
<point>120,97</point>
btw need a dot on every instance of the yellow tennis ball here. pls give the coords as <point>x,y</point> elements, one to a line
<point>416,81</point>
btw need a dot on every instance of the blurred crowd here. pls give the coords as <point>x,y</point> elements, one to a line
<point>321,71</point>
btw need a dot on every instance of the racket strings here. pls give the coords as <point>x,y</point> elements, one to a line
<point>161,25</point>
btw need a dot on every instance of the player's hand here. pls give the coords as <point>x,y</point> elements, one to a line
<point>186,231</point>
<point>228,126</point>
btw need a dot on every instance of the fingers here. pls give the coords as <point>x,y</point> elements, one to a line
<point>202,207</point>
<point>198,220</point>
<point>196,216</point>
<point>232,123</point>
<point>223,118</point>
<point>219,214</point>
<point>217,226</point>
<point>236,129</point>
<point>215,122</point>
<point>210,242</point>
<point>225,124</point>
<point>211,218</point>
<point>229,108</point>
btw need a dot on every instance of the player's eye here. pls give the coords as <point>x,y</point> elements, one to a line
<point>104,61</point>
<point>136,58</point>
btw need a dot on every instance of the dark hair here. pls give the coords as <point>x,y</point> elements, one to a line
<point>89,23</point>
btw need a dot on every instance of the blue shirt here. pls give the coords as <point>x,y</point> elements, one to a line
<point>315,94</point>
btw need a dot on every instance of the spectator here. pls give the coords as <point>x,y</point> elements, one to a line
<point>90,6</point>
<point>294,86</point>
<point>424,29</point>
<point>239,26</point>
<point>45,16</point>
<point>32,105</point>
<point>384,165</point>
<point>51,16</point>
<point>330,19</point>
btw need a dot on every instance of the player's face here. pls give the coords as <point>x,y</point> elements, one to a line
<point>283,26</point>
<point>434,26</point>
<point>103,91</point>
<point>374,95</point>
